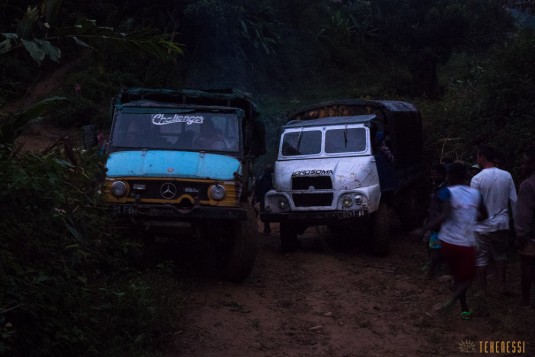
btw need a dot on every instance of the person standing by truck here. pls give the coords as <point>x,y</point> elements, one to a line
<point>438,182</point>
<point>498,190</point>
<point>263,184</point>
<point>384,160</point>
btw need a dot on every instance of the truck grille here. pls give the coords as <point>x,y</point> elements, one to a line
<point>318,182</point>
<point>153,189</point>
<point>308,200</point>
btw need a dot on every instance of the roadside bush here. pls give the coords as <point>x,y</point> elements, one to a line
<point>66,284</point>
<point>491,101</point>
<point>77,112</point>
<point>91,104</point>
<point>18,74</point>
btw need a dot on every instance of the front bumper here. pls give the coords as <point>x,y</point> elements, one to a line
<point>170,212</point>
<point>315,217</point>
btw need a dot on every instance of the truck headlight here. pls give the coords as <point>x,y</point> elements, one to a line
<point>359,199</point>
<point>347,201</point>
<point>283,203</point>
<point>217,192</point>
<point>118,189</point>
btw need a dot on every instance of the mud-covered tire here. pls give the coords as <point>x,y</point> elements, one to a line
<point>242,246</point>
<point>381,231</point>
<point>288,235</point>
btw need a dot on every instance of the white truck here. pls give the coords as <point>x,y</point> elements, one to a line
<point>345,162</point>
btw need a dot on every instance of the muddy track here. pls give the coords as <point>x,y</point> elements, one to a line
<point>332,298</point>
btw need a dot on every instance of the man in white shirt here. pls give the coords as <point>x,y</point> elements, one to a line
<point>498,190</point>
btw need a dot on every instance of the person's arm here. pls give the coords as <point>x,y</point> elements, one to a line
<point>483,212</point>
<point>474,183</point>
<point>513,198</point>
<point>445,211</point>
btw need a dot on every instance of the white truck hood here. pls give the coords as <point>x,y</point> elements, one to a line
<point>347,173</point>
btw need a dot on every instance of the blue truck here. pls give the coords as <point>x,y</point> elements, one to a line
<point>183,159</point>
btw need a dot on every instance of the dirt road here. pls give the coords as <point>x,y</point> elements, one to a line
<point>333,299</point>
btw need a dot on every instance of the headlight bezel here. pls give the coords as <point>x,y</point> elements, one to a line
<point>283,203</point>
<point>352,200</point>
<point>119,189</point>
<point>347,201</point>
<point>217,192</point>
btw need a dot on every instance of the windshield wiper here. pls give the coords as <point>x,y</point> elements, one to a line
<point>299,141</point>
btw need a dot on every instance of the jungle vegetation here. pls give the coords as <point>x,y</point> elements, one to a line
<point>67,284</point>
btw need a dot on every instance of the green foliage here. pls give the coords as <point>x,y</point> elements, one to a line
<point>423,34</point>
<point>489,101</point>
<point>338,29</point>
<point>67,288</point>
<point>259,28</point>
<point>87,34</point>
<point>14,124</point>
<point>36,33</point>
<point>18,73</point>
<point>77,112</point>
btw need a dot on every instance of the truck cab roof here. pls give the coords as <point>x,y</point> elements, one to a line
<point>352,106</point>
<point>340,120</point>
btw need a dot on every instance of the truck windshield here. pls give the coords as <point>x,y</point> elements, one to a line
<point>301,143</point>
<point>345,140</point>
<point>195,131</point>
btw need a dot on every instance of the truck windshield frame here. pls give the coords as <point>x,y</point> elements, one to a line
<point>324,141</point>
<point>176,130</point>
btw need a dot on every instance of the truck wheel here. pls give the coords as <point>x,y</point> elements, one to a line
<point>288,235</point>
<point>241,248</point>
<point>381,231</point>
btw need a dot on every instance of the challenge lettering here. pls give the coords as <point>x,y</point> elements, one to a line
<point>161,119</point>
<point>313,173</point>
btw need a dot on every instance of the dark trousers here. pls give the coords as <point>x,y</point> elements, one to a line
<point>267,226</point>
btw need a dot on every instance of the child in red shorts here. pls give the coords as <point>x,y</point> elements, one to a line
<point>461,208</point>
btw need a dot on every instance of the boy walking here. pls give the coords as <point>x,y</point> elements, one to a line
<point>461,207</point>
<point>263,185</point>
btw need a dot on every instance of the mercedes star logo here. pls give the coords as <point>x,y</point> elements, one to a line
<point>168,190</point>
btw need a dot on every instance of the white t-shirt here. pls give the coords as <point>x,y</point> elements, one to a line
<point>459,227</point>
<point>497,189</point>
